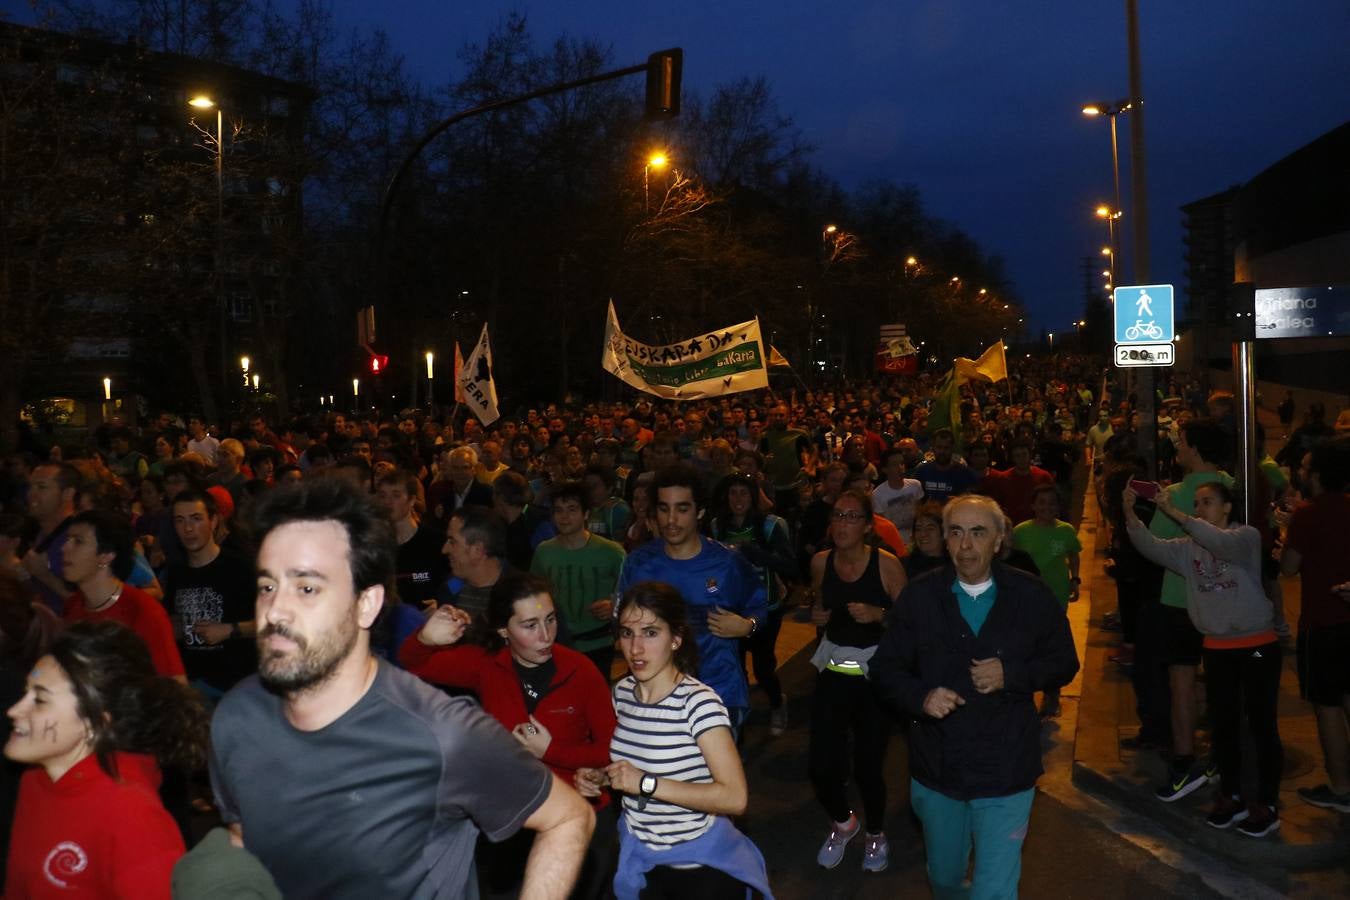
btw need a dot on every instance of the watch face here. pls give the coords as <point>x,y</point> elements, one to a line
<point>648,785</point>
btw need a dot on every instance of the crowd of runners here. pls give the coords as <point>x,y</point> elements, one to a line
<point>407,655</point>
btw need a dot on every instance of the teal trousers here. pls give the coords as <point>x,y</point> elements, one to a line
<point>995,826</point>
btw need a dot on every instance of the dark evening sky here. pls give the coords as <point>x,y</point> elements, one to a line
<point>978,103</point>
<point>975,101</point>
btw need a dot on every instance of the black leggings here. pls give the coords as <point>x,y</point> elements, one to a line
<point>763,656</point>
<point>1248,678</point>
<point>665,883</point>
<point>844,706</point>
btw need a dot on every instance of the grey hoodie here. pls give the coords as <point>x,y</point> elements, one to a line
<point>1222,568</point>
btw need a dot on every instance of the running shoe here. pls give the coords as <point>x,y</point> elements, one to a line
<point>832,851</point>
<point>876,853</point>
<point>1182,784</point>
<point>1323,796</point>
<point>1261,820</point>
<point>1227,811</point>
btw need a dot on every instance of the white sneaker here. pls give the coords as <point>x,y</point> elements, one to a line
<point>832,851</point>
<point>778,720</point>
<point>876,853</point>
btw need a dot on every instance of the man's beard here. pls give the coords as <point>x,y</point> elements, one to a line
<point>309,665</point>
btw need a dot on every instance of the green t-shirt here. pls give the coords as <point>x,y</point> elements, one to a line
<point>580,577</point>
<point>1049,547</point>
<point>780,445</point>
<point>1163,527</point>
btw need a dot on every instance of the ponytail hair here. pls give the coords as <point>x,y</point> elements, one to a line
<point>126,704</point>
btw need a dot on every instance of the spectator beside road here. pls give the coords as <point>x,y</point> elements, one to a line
<point>1315,550</point>
<point>1221,563</point>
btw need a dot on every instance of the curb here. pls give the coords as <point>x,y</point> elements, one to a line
<point>1185,823</point>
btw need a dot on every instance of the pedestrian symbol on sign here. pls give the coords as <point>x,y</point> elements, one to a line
<point>1144,313</point>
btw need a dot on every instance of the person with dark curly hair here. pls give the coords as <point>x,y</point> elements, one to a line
<point>96,722</point>
<point>674,762</point>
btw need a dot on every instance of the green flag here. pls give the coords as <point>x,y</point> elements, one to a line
<point>946,409</point>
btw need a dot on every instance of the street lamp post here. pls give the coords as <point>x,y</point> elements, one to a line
<point>654,161</point>
<point>1111,110</point>
<point>201,101</point>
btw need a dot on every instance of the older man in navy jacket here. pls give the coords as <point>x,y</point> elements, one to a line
<point>965,649</point>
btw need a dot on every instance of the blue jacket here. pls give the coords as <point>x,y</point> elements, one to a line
<point>717,576</point>
<point>991,746</point>
<point>721,847</point>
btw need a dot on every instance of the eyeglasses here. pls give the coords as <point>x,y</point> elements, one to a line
<point>849,516</point>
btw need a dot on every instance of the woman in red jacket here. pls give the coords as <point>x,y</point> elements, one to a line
<point>552,698</point>
<point>95,721</point>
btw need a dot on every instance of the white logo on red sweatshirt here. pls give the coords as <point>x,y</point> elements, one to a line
<point>66,859</point>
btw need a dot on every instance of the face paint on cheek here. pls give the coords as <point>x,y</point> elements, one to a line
<point>49,733</point>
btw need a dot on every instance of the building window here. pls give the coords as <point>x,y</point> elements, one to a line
<point>241,308</point>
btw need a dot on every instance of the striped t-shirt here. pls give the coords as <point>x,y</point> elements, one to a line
<point>661,739</point>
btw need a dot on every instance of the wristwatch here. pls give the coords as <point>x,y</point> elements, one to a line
<point>754,625</point>
<point>646,787</point>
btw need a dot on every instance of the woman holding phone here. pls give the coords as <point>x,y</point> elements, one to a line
<point>675,764</point>
<point>1221,562</point>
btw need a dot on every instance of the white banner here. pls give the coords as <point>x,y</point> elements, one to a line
<point>709,365</point>
<point>475,380</point>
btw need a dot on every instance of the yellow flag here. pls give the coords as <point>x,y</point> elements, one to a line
<point>777,360</point>
<point>991,366</point>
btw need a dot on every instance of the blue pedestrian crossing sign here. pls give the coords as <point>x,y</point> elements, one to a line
<point>1144,314</point>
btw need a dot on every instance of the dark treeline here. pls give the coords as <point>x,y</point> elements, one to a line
<point>530,219</point>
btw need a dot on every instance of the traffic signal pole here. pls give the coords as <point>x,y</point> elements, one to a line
<point>664,70</point>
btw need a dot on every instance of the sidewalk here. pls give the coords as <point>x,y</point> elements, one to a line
<point>1308,838</point>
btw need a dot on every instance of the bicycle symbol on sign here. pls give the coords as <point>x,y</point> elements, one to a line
<point>1140,328</point>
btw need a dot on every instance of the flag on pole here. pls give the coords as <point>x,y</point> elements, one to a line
<point>459,367</point>
<point>777,360</point>
<point>475,379</point>
<point>718,362</point>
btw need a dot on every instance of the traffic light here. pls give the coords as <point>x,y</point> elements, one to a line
<point>664,68</point>
<point>378,363</point>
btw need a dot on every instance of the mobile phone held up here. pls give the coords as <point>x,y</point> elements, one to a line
<point>1147,490</point>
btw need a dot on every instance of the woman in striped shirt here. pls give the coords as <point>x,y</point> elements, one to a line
<point>675,763</point>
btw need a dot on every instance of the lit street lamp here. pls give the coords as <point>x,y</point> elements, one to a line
<point>431,382</point>
<point>656,161</point>
<point>1110,215</point>
<point>107,389</point>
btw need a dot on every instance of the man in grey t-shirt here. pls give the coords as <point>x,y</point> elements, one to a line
<point>346,777</point>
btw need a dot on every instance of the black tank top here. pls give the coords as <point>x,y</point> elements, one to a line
<point>836,594</point>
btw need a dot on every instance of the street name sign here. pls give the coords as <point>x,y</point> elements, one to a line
<point>1296,312</point>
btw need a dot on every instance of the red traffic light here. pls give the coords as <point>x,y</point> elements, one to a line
<point>378,363</point>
